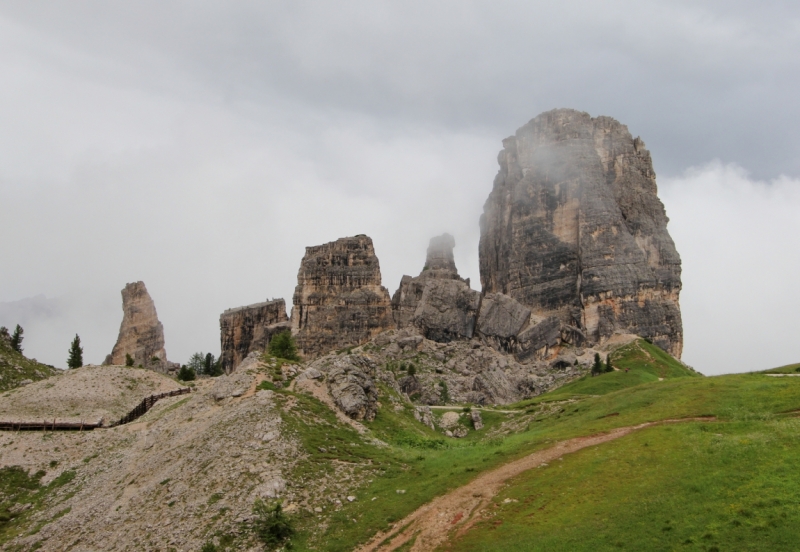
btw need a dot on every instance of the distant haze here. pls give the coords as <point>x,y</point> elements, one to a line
<point>201,146</point>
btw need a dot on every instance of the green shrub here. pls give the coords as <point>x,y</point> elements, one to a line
<point>271,526</point>
<point>282,345</point>
<point>412,370</point>
<point>186,373</point>
<point>209,547</point>
<point>444,393</point>
<point>128,360</point>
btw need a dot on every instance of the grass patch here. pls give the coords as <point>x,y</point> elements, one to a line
<point>21,495</point>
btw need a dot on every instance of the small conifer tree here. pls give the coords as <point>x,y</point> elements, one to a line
<point>271,526</point>
<point>282,345</point>
<point>412,370</point>
<point>609,368</point>
<point>75,359</point>
<point>186,373</point>
<point>16,339</point>
<point>128,360</point>
<point>597,367</point>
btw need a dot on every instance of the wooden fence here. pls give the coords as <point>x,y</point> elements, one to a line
<point>146,404</point>
<point>46,425</point>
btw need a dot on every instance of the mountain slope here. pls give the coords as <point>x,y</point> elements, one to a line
<point>15,368</point>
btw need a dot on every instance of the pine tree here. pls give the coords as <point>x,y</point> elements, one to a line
<point>609,368</point>
<point>197,362</point>
<point>128,360</point>
<point>16,339</point>
<point>597,367</point>
<point>75,359</point>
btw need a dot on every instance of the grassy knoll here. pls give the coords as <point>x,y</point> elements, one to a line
<point>638,362</point>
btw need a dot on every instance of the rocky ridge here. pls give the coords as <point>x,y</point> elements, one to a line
<point>141,334</point>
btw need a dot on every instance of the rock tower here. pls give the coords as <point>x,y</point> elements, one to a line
<point>141,335</point>
<point>339,300</point>
<point>438,301</point>
<point>250,328</point>
<point>573,229</point>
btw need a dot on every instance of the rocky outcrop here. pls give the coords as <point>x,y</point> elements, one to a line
<point>247,329</point>
<point>502,318</point>
<point>351,385</point>
<point>438,301</point>
<point>339,300</point>
<point>574,229</point>
<point>141,335</point>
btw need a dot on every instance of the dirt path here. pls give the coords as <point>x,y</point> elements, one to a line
<point>432,522</point>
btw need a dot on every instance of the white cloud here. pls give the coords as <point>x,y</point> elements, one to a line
<point>739,240</point>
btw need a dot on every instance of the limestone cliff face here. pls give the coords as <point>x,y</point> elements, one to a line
<point>438,302</point>
<point>141,334</point>
<point>339,300</point>
<point>574,229</point>
<point>250,328</point>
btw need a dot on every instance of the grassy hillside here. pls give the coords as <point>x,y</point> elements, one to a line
<point>423,465</point>
<point>728,484</point>
<point>788,369</point>
<point>16,368</point>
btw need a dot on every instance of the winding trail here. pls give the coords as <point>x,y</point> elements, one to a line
<point>458,509</point>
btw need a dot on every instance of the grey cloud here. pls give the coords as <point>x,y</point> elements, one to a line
<point>200,146</point>
<point>697,81</point>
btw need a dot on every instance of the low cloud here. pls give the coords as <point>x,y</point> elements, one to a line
<point>739,239</point>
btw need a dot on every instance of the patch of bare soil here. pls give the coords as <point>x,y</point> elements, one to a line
<point>458,510</point>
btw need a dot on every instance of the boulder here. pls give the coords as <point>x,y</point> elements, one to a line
<point>477,420</point>
<point>449,420</point>
<point>537,341</point>
<point>350,383</point>
<point>424,415</point>
<point>502,317</point>
<point>574,229</point>
<point>492,386</point>
<point>447,310</point>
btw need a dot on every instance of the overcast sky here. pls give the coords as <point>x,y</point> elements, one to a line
<point>200,146</point>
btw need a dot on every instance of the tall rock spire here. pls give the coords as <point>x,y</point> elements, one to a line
<point>573,228</point>
<point>141,335</point>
